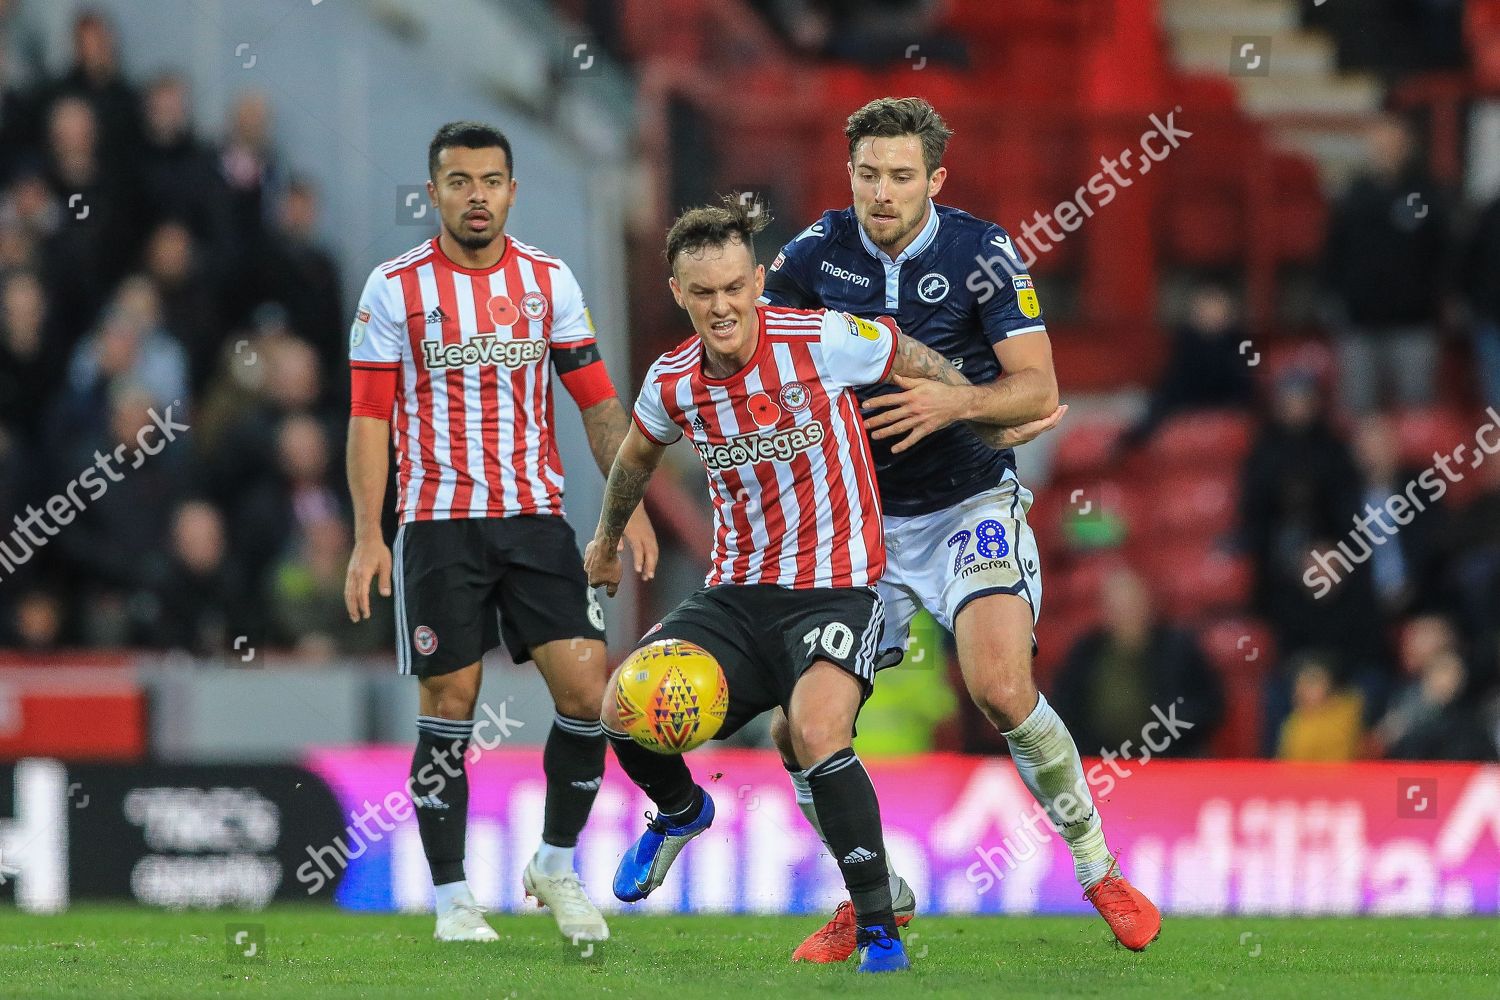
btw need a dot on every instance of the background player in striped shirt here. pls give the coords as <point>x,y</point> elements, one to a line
<point>789,609</point>
<point>955,510</point>
<point>449,355</point>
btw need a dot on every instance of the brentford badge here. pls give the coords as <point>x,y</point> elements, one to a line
<point>534,306</point>
<point>424,640</point>
<point>794,396</point>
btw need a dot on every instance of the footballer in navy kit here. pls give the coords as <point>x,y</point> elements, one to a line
<point>957,541</point>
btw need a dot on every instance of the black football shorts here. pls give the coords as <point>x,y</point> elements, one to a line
<point>464,585</point>
<point>766,636</point>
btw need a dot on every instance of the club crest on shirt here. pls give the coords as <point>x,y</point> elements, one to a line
<point>794,396</point>
<point>932,288</point>
<point>534,306</point>
<point>424,640</point>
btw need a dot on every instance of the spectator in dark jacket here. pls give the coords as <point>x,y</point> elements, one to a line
<point>1298,485</point>
<point>301,275</point>
<point>179,175</point>
<point>1115,675</point>
<point>1205,370</point>
<point>1384,259</point>
<point>200,602</point>
<point>1480,277</point>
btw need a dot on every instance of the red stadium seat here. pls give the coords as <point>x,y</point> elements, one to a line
<point>1241,651</point>
<point>1193,508</point>
<point>1301,209</point>
<point>1421,432</point>
<point>1202,440</point>
<point>1085,448</point>
<point>1192,581</point>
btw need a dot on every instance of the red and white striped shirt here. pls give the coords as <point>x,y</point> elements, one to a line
<point>789,468</point>
<point>471,411</point>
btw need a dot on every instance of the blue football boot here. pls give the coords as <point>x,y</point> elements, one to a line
<point>646,863</point>
<point>879,952</point>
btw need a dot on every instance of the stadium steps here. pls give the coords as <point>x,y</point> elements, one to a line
<point>1311,107</point>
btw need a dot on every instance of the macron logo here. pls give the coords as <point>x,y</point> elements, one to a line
<point>858,855</point>
<point>592,785</point>
<point>429,802</point>
<point>839,272</point>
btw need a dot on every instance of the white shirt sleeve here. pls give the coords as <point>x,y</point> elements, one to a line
<point>379,330</point>
<point>571,322</point>
<point>856,351</point>
<point>650,412</point>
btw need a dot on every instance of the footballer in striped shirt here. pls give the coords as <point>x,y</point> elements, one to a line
<point>451,355</point>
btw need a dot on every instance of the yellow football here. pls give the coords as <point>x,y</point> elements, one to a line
<point>671,696</point>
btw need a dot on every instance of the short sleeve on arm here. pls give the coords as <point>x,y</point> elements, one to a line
<point>1012,308</point>
<point>378,333</point>
<point>650,413</point>
<point>571,323</point>
<point>857,351</point>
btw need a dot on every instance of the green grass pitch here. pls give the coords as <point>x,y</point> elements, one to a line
<point>102,952</point>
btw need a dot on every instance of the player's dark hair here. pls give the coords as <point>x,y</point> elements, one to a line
<point>889,117</point>
<point>467,135</point>
<point>737,218</point>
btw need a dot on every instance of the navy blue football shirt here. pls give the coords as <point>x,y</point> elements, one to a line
<point>941,293</point>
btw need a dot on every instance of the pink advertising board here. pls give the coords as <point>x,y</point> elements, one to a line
<point>1199,837</point>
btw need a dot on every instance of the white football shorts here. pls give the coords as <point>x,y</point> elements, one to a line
<point>943,560</point>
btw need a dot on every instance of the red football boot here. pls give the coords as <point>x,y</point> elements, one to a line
<point>834,941</point>
<point>1133,918</point>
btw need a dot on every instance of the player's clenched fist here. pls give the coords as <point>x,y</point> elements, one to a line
<point>370,558</point>
<point>601,561</point>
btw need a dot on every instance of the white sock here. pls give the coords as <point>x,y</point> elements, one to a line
<point>448,893</point>
<point>1049,765</point>
<point>805,803</point>
<point>554,860</point>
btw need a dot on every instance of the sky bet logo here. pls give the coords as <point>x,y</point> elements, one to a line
<point>749,449</point>
<point>485,349</point>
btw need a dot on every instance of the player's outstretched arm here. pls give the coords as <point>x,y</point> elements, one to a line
<point>367,464</point>
<point>935,394</point>
<point>635,461</point>
<point>606,425</point>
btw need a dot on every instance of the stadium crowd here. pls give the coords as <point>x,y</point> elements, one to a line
<point>145,269</point>
<point>149,271</point>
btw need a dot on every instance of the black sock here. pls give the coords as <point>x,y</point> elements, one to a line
<point>573,762</point>
<point>664,777</point>
<point>850,816</point>
<point>439,787</point>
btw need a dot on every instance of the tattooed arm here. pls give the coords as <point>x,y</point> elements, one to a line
<point>935,394</point>
<point>636,459</point>
<point>606,425</point>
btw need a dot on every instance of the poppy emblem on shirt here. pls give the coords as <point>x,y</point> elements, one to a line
<point>503,311</point>
<point>534,306</point>
<point>794,396</point>
<point>763,410</point>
